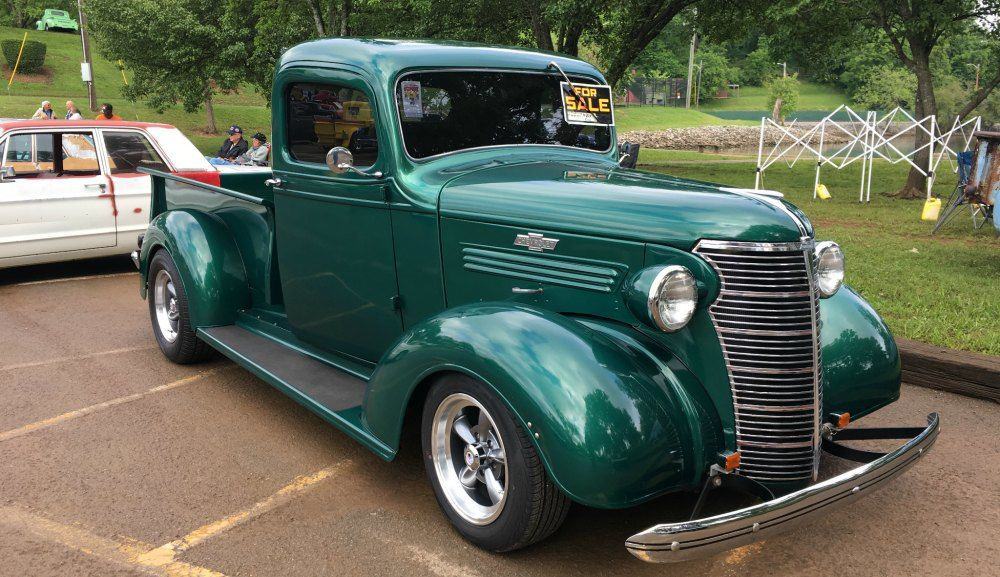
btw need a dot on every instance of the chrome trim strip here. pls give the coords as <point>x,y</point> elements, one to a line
<point>687,540</point>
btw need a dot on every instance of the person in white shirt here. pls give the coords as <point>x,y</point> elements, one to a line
<point>72,112</point>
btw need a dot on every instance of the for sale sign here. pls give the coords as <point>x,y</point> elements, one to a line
<point>588,104</point>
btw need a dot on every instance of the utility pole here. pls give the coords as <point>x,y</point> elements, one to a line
<point>687,95</point>
<point>91,91</point>
<point>697,94</point>
<point>784,69</point>
<point>977,67</point>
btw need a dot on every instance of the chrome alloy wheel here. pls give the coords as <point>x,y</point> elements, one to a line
<point>165,305</point>
<point>469,459</point>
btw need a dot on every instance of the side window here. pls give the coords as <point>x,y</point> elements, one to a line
<point>322,116</point>
<point>129,150</point>
<point>33,155</point>
<point>19,155</point>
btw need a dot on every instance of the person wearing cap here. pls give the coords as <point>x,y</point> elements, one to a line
<point>258,153</point>
<point>44,112</point>
<point>107,113</point>
<point>233,146</point>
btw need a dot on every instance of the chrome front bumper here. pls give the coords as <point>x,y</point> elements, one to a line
<point>671,542</point>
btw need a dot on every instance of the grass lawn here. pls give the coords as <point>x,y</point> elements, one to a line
<point>937,289</point>
<point>663,117</point>
<point>811,97</point>
<point>61,81</point>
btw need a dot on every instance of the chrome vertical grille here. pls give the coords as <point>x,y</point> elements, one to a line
<point>767,317</point>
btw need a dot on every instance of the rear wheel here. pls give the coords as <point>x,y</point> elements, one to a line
<point>484,469</point>
<point>168,311</point>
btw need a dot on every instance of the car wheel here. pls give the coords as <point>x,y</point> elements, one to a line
<point>484,469</point>
<point>168,311</point>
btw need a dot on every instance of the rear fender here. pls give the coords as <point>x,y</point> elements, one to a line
<point>208,261</point>
<point>614,420</point>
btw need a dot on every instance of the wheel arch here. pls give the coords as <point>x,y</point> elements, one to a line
<point>618,431</point>
<point>208,260</point>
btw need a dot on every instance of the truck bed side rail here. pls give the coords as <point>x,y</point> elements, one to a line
<point>158,202</point>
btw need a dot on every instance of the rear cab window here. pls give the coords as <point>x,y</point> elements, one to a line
<point>323,116</point>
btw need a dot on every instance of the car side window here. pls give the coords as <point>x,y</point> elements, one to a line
<point>19,155</point>
<point>322,116</point>
<point>127,151</point>
<point>32,155</point>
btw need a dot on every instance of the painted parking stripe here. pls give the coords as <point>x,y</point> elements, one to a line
<point>74,278</point>
<point>59,419</point>
<point>166,554</point>
<point>75,358</point>
<point>127,553</point>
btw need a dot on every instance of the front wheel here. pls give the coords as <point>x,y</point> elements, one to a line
<point>168,311</point>
<point>484,469</point>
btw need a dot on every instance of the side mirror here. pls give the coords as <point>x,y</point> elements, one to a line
<point>630,154</point>
<point>341,160</point>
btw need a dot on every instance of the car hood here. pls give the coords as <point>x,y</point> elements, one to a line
<point>576,197</point>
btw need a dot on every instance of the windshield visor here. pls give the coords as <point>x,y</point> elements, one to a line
<point>445,111</point>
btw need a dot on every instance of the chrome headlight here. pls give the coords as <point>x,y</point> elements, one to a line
<point>673,296</point>
<point>829,268</point>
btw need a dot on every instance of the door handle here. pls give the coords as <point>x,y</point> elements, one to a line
<point>526,291</point>
<point>95,187</point>
<point>272,182</point>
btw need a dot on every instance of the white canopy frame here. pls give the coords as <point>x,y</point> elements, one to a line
<point>866,139</point>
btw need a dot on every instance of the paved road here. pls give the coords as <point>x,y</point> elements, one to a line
<point>115,462</point>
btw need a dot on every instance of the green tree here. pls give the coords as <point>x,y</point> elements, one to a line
<point>24,13</point>
<point>783,96</point>
<point>716,71</point>
<point>179,51</point>
<point>759,66</point>
<point>885,87</point>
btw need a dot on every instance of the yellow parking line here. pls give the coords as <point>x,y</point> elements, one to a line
<point>166,554</point>
<point>127,553</point>
<point>75,358</point>
<point>52,421</point>
<point>74,278</point>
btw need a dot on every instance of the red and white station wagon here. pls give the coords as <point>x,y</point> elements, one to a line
<point>70,189</point>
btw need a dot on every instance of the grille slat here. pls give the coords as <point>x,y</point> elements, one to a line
<point>767,318</point>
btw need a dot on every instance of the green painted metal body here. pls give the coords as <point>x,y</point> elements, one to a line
<point>56,19</point>
<point>402,277</point>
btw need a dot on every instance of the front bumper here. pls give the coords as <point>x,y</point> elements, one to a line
<point>683,541</point>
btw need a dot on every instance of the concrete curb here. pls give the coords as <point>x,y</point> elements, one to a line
<point>969,374</point>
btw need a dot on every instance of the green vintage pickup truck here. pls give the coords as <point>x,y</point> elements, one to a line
<point>449,243</point>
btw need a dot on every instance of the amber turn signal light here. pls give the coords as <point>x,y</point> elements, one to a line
<point>843,419</point>
<point>730,461</point>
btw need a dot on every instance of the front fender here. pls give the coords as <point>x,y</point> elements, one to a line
<point>614,422</point>
<point>861,367</point>
<point>208,261</point>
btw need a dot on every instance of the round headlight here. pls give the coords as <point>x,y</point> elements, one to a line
<point>829,268</point>
<point>672,298</point>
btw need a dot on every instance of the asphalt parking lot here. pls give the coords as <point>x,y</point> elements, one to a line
<point>114,461</point>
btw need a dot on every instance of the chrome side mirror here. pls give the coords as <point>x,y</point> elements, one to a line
<point>340,160</point>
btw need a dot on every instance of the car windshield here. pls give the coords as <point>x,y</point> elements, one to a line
<point>444,111</point>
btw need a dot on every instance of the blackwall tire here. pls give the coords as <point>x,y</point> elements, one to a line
<point>168,312</point>
<point>465,476</point>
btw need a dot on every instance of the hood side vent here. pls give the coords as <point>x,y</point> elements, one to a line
<point>546,269</point>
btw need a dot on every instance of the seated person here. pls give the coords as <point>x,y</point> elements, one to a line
<point>258,153</point>
<point>232,147</point>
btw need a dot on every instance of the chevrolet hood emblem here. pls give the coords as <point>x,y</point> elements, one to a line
<point>536,242</point>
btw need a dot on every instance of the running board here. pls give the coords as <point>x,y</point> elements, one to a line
<point>293,372</point>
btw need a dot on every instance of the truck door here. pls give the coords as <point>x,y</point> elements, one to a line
<point>334,237</point>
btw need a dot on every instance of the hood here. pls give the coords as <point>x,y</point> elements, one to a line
<point>611,202</point>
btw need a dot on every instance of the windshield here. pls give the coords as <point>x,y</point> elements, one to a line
<point>445,111</point>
